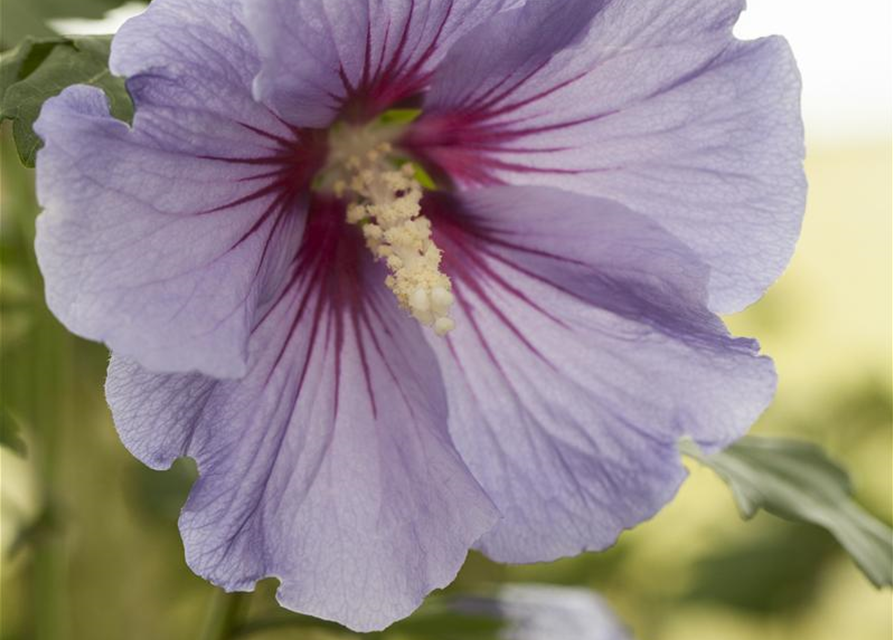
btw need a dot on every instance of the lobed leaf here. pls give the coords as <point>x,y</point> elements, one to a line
<point>39,69</point>
<point>798,481</point>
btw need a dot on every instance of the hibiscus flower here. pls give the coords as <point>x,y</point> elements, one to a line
<point>409,277</point>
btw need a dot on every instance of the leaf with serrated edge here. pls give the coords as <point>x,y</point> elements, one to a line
<point>797,481</point>
<point>40,69</point>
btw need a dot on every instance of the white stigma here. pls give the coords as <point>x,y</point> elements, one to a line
<point>385,202</point>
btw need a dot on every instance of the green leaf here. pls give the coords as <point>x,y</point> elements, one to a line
<point>37,70</point>
<point>797,481</point>
<point>11,433</point>
<point>24,59</point>
<point>399,116</point>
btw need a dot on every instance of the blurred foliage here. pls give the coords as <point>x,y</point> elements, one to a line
<point>23,18</point>
<point>773,571</point>
<point>11,433</point>
<point>160,495</point>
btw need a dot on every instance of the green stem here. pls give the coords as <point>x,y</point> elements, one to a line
<point>49,375</point>
<point>224,616</point>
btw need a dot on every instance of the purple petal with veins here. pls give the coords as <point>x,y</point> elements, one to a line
<point>375,376</point>
<point>583,352</point>
<point>654,105</point>
<point>328,465</point>
<point>322,58</point>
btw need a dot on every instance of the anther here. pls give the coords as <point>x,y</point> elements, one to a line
<point>444,325</point>
<point>420,300</point>
<point>387,203</point>
<point>441,300</point>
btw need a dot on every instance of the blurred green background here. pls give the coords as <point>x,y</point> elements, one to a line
<point>89,533</point>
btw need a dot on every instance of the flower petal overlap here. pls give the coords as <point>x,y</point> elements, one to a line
<point>652,104</point>
<point>607,175</point>
<point>329,460</point>
<point>322,56</point>
<point>136,239</point>
<point>583,352</point>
